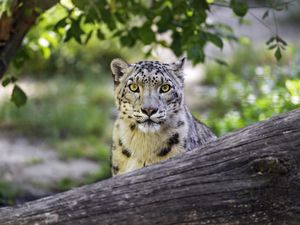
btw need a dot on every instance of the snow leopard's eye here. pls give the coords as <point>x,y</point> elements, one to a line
<point>165,88</point>
<point>134,87</point>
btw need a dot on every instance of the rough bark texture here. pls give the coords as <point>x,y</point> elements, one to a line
<point>251,176</point>
<point>13,28</point>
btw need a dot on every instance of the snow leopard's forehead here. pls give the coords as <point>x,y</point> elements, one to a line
<point>151,66</point>
<point>152,73</point>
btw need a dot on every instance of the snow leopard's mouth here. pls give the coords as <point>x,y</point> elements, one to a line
<point>147,122</point>
<point>148,125</point>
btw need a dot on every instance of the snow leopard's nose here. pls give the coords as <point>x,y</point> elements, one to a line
<point>149,111</point>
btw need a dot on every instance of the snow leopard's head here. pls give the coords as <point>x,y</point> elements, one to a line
<point>148,93</point>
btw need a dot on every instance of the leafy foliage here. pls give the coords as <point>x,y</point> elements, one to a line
<point>182,26</point>
<point>278,44</point>
<point>245,94</point>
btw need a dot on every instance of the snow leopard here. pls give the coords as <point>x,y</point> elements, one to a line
<point>153,122</point>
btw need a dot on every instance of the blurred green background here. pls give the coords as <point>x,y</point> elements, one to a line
<point>70,103</point>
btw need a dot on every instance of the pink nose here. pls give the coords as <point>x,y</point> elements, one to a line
<point>149,111</point>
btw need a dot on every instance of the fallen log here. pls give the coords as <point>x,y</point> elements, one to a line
<point>250,176</point>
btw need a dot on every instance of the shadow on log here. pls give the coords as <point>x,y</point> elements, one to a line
<point>250,176</point>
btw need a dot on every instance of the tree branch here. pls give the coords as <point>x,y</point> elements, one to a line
<point>14,28</point>
<point>251,176</point>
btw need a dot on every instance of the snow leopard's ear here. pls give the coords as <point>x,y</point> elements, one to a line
<point>118,68</point>
<point>177,65</point>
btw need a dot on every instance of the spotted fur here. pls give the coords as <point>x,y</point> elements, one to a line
<point>153,124</point>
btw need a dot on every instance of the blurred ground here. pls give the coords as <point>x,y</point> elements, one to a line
<point>35,167</point>
<point>30,165</point>
<point>58,140</point>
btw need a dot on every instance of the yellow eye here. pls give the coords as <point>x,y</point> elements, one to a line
<point>165,88</point>
<point>134,87</point>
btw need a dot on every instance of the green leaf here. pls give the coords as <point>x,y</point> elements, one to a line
<point>6,81</point>
<point>215,39</point>
<point>270,40</point>
<point>278,54</point>
<point>272,46</point>
<point>127,40</point>
<point>88,37</point>
<point>117,33</point>
<point>107,17</point>
<point>18,96</point>
<point>265,15</point>
<point>80,4</point>
<point>13,79</point>
<point>221,62</point>
<point>68,35</point>
<point>196,54</point>
<point>61,23</point>
<point>240,8</point>
<point>202,39</point>
<point>176,44</point>
<point>164,23</point>
<point>74,31</point>
<point>282,47</point>
<point>21,56</point>
<point>146,34</point>
<point>279,39</point>
<point>100,35</point>
<point>134,33</point>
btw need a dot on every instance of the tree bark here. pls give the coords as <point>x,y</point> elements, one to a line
<point>13,28</point>
<point>250,176</point>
